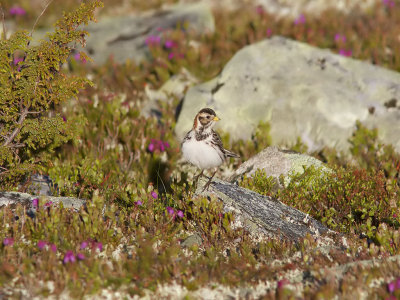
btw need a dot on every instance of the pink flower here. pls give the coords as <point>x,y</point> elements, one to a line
<point>17,60</point>
<point>398,284</point>
<point>282,283</point>
<point>151,147</point>
<point>157,145</point>
<point>169,44</point>
<point>300,20</point>
<point>391,287</point>
<point>17,11</point>
<point>53,248</point>
<point>180,214</point>
<point>41,244</point>
<point>9,241</point>
<point>35,202</point>
<point>69,257</point>
<point>154,194</point>
<point>79,57</point>
<point>345,52</point>
<point>84,245</point>
<point>170,210</point>
<point>171,56</point>
<point>388,3</point>
<point>80,256</point>
<point>340,38</point>
<point>138,202</point>
<point>48,204</point>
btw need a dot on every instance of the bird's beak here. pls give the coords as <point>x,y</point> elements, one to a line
<point>216,118</point>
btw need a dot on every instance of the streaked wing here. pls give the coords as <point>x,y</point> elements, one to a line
<point>216,140</point>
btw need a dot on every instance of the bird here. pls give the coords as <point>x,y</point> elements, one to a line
<point>202,146</point>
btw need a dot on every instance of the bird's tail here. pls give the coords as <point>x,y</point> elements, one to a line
<point>230,154</point>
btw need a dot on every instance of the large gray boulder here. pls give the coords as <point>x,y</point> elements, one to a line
<point>302,91</point>
<point>124,37</point>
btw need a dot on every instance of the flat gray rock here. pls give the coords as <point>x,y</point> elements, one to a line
<point>302,91</point>
<point>13,198</point>
<point>260,214</point>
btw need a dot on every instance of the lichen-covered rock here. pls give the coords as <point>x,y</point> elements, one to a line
<point>262,215</point>
<point>276,162</point>
<point>302,91</point>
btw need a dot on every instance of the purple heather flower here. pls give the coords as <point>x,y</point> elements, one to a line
<point>282,283</point>
<point>79,57</point>
<point>35,202</point>
<point>300,20</point>
<point>17,11</point>
<point>170,210</point>
<point>9,241</point>
<point>64,119</point>
<point>17,60</point>
<point>138,202</point>
<point>53,248</point>
<point>391,287</point>
<point>48,204</point>
<point>69,257</point>
<point>169,44</point>
<point>171,56</point>
<point>157,145</point>
<point>84,244</point>
<point>398,284</point>
<point>80,256</point>
<point>388,3</point>
<point>151,147</point>
<point>154,194</point>
<point>345,52</point>
<point>41,244</point>
<point>180,214</point>
<point>340,38</point>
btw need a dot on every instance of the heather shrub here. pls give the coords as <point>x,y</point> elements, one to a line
<point>32,83</point>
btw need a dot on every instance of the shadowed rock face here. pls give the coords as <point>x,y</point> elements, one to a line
<point>302,91</point>
<point>262,215</point>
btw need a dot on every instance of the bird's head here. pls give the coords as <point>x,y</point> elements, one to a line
<point>205,120</point>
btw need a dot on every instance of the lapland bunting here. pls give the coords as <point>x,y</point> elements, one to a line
<point>202,146</point>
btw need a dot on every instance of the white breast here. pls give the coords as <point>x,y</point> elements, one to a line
<point>200,154</point>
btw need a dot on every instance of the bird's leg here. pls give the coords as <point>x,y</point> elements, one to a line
<point>196,178</point>
<point>209,181</point>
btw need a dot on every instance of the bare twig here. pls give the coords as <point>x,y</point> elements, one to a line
<point>17,129</point>
<point>41,14</point>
